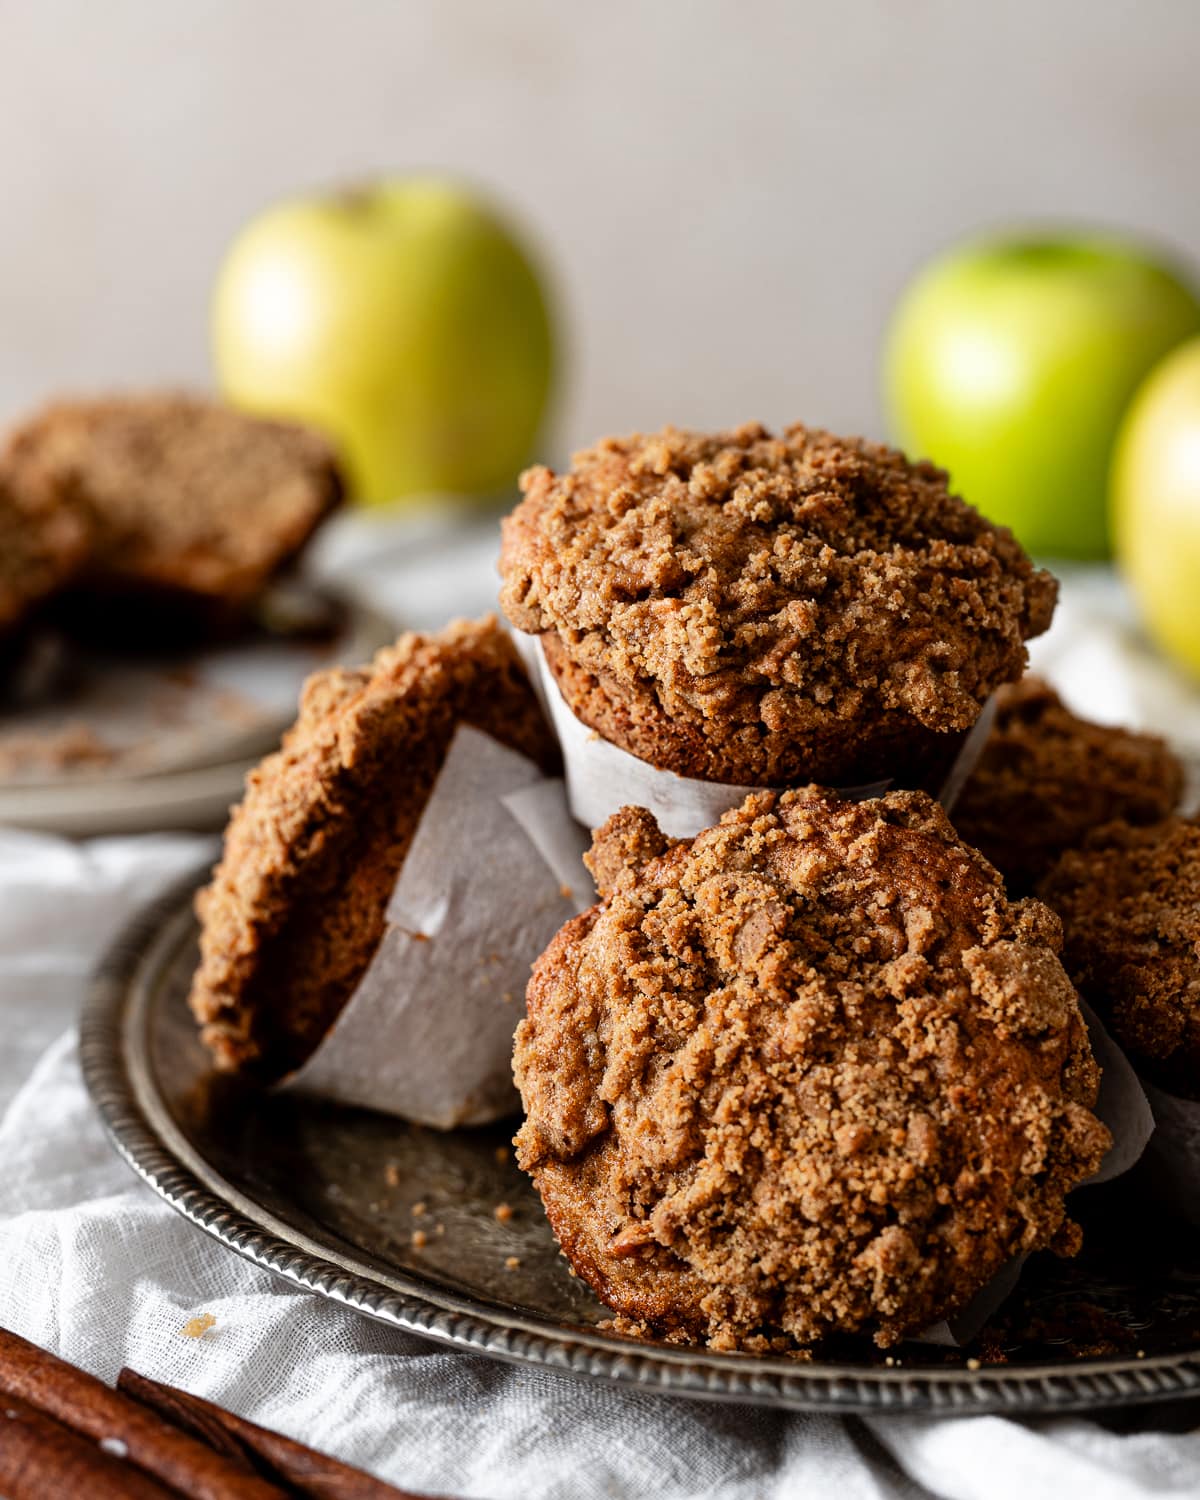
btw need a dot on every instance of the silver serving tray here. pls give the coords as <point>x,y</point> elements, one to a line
<point>323,1196</point>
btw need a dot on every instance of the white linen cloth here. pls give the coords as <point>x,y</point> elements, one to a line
<point>94,1266</point>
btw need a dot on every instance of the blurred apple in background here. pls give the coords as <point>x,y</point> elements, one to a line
<point>1156,503</point>
<point>402,318</point>
<point>1010,362</point>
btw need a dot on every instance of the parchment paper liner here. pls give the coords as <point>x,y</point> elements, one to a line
<point>494,870</point>
<point>601,777</point>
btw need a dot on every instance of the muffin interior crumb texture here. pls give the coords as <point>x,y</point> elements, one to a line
<point>176,494</point>
<point>776,602</point>
<point>809,1072</point>
<point>1129,900</point>
<point>1047,778</point>
<point>297,904</point>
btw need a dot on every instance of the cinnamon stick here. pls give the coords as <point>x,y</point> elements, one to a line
<point>78,1400</point>
<point>41,1457</point>
<point>190,1414</point>
<point>281,1458</point>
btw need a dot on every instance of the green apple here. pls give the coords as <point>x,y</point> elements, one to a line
<point>1156,503</point>
<point>1009,362</point>
<point>402,318</point>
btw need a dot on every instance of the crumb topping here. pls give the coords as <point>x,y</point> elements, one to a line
<point>197,1327</point>
<point>1047,778</point>
<point>808,1072</point>
<point>175,492</point>
<point>789,583</point>
<point>1129,900</point>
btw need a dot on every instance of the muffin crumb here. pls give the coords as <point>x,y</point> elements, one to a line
<point>197,1327</point>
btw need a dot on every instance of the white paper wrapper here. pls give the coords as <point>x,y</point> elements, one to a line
<point>428,1032</point>
<point>1123,1104</point>
<point>601,777</point>
<point>968,755</point>
<point>1174,1154</point>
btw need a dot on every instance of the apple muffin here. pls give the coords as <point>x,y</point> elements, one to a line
<point>42,546</point>
<point>186,503</point>
<point>1047,778</point>
<point>1129,901</point>
<point>296,907</point>
<point>809,1072</point>
<point>756,609</point>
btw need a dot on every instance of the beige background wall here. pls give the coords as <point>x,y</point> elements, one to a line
<point>730,194</point>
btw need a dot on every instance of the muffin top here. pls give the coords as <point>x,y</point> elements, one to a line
<point>177,493</point>
<point>297,905</point>
<point>1046,778</point>
<point>783,582</point>
<point>810,1071</point>
<point>1129,900</point>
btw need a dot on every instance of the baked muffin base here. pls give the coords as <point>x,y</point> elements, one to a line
<point>899,750</point>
